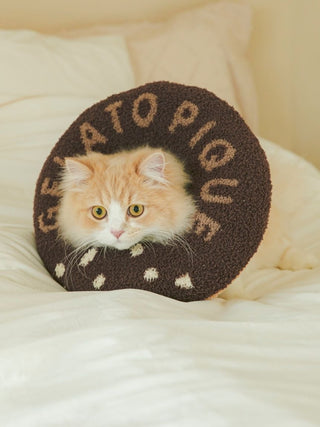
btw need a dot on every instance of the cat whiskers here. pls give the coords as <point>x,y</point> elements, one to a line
<point>168,238</point>
<point>148,244</point>
<point>73,258</point>
<point>181,241</point>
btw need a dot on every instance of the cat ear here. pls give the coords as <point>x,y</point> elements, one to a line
<point>76,172</point>
<point>153,167</point>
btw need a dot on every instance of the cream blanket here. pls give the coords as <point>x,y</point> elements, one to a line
<point>134,358</point>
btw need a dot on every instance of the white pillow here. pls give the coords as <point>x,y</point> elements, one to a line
<point>204,46</point>
<point>34,64</point>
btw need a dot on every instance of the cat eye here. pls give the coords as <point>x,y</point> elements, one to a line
<point>98,212</point>
<point>135,210</point>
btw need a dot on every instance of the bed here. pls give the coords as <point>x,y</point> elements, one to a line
<point>132,358</point>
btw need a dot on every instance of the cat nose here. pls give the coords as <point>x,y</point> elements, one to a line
<point>117,233</point>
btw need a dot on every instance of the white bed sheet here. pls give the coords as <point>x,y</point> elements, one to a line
<point>134,358</point>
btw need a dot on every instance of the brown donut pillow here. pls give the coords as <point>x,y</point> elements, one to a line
<point>230,183</point>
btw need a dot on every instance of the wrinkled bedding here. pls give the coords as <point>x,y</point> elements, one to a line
<point>135,358</point>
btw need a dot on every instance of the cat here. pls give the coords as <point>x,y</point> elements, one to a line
<point>120,199</point>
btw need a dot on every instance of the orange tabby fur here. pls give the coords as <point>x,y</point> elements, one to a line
<point>150,177</point>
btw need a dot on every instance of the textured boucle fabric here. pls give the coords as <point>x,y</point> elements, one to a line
<point>230,183</point>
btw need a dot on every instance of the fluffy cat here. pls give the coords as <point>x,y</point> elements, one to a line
<point>120,199</point>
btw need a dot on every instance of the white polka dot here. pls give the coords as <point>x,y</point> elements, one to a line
<point>59,270</point>
<point>88,257</point>
<point>151,274</point>
<point>99,281</point>
<point>136,250</point>
<point>184,282</point>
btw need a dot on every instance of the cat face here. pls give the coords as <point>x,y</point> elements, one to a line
<point>121,199</point>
